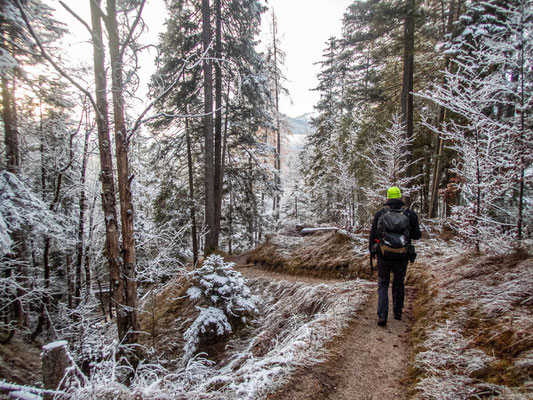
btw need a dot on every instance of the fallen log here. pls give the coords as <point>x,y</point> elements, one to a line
<point>323,229</point>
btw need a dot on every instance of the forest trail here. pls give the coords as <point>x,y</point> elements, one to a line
<point>366,362</point>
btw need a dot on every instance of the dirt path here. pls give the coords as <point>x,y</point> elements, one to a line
<point>367,362</point>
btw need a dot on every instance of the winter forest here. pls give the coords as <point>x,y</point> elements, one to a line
<point>187,241</point>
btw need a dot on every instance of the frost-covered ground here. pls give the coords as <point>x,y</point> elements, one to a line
<point>474,333</point>
<point>292,325</point>
<point>337,254</point>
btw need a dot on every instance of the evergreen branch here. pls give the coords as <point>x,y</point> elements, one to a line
<point>183,69</point>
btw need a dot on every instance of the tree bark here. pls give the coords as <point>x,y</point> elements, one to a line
<point>407,82</point>
<point>55,362</point>
<point>106,166</point>
<point>218,182</point>
<point>11,141</point>
<point>128,310</point>
<point>191,193</point>
<point>277,163</point>
<point>81,220</point>
<point>521,177</point>
<point>10,130</point>
<point>210,214</point>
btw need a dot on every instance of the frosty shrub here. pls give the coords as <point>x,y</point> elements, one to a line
<point>388,160</point>
<point>230,301</point>
<point>21,209</point>
<point>210,325</point>
<point>489,88</point>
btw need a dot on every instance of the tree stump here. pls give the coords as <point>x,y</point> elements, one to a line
<point>55,363</point>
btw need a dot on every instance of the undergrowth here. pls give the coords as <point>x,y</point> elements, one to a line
<point>291,328</point>
<point>332,255</point>
<point>474,322</point>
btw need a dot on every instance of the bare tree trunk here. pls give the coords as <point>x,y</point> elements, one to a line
<point>10,130</point>
<point>191,193</point>
<point>218,182</point>
<point>87,263</point>
<point>70,287</point>
<point>230,219</point>
<point>210,214</point>
<point>521,178</point>
<point>453,15</point>
<point>407,82</point>
<point>478,193</point>
<point>128,311</point>
<point>106,166</point>
<point>81,219</point>
<point>277,162</point>
<point>55,362</point>
<point>11,142</point>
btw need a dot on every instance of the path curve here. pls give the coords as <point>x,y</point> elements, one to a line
<point>367,362</point>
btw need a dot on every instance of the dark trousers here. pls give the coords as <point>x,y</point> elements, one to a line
<point>398,268</point>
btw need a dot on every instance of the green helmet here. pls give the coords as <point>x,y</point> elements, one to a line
<point>394,193</point>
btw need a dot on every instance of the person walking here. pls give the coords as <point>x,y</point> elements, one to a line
<point>393,228</point>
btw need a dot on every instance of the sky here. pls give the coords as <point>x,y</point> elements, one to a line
<point>303,29</point>
<point>304,26</point>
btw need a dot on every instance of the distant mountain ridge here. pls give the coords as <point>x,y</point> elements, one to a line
<point>294,132</point>
<point>298,126</point>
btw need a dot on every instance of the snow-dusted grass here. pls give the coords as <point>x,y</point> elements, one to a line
<point>290,328</point>
<point>339,254</point>
<point>473,338</point>
<point>297,321</point>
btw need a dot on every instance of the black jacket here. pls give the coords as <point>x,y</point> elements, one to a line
<point>414,227</point>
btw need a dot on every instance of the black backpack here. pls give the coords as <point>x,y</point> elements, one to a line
<point>393,233</point>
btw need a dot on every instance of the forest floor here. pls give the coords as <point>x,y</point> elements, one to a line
<point>366,362</point>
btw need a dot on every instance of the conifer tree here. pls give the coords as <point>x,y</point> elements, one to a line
<point>239,91</point>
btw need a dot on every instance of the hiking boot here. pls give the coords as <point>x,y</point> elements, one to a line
<point>398,316</point>
<point>382,321</point>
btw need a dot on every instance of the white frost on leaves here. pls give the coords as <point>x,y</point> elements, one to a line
<point>448,350</point>
<point>211,322</point>
<point>493,147</point>
<point>21,395</point>
<point>388,157</point>
<point>228,296</point>
<point>294,323</point>
<point>5,240</point>
<point>480,287</point>
<point>194,293</point>
<point>20,208</point>
<point>525,361</point>
<point>445,387</point>
<point>223,287</point>
<point>495,291</point>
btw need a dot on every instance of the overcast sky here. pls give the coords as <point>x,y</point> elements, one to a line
<point>304,27</point>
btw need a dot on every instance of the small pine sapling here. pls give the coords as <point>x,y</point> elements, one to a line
<point>230,302</point>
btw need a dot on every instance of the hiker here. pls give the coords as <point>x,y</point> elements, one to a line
<point>393,228</point>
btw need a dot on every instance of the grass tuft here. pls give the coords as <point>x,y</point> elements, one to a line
<point>330,255</point>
